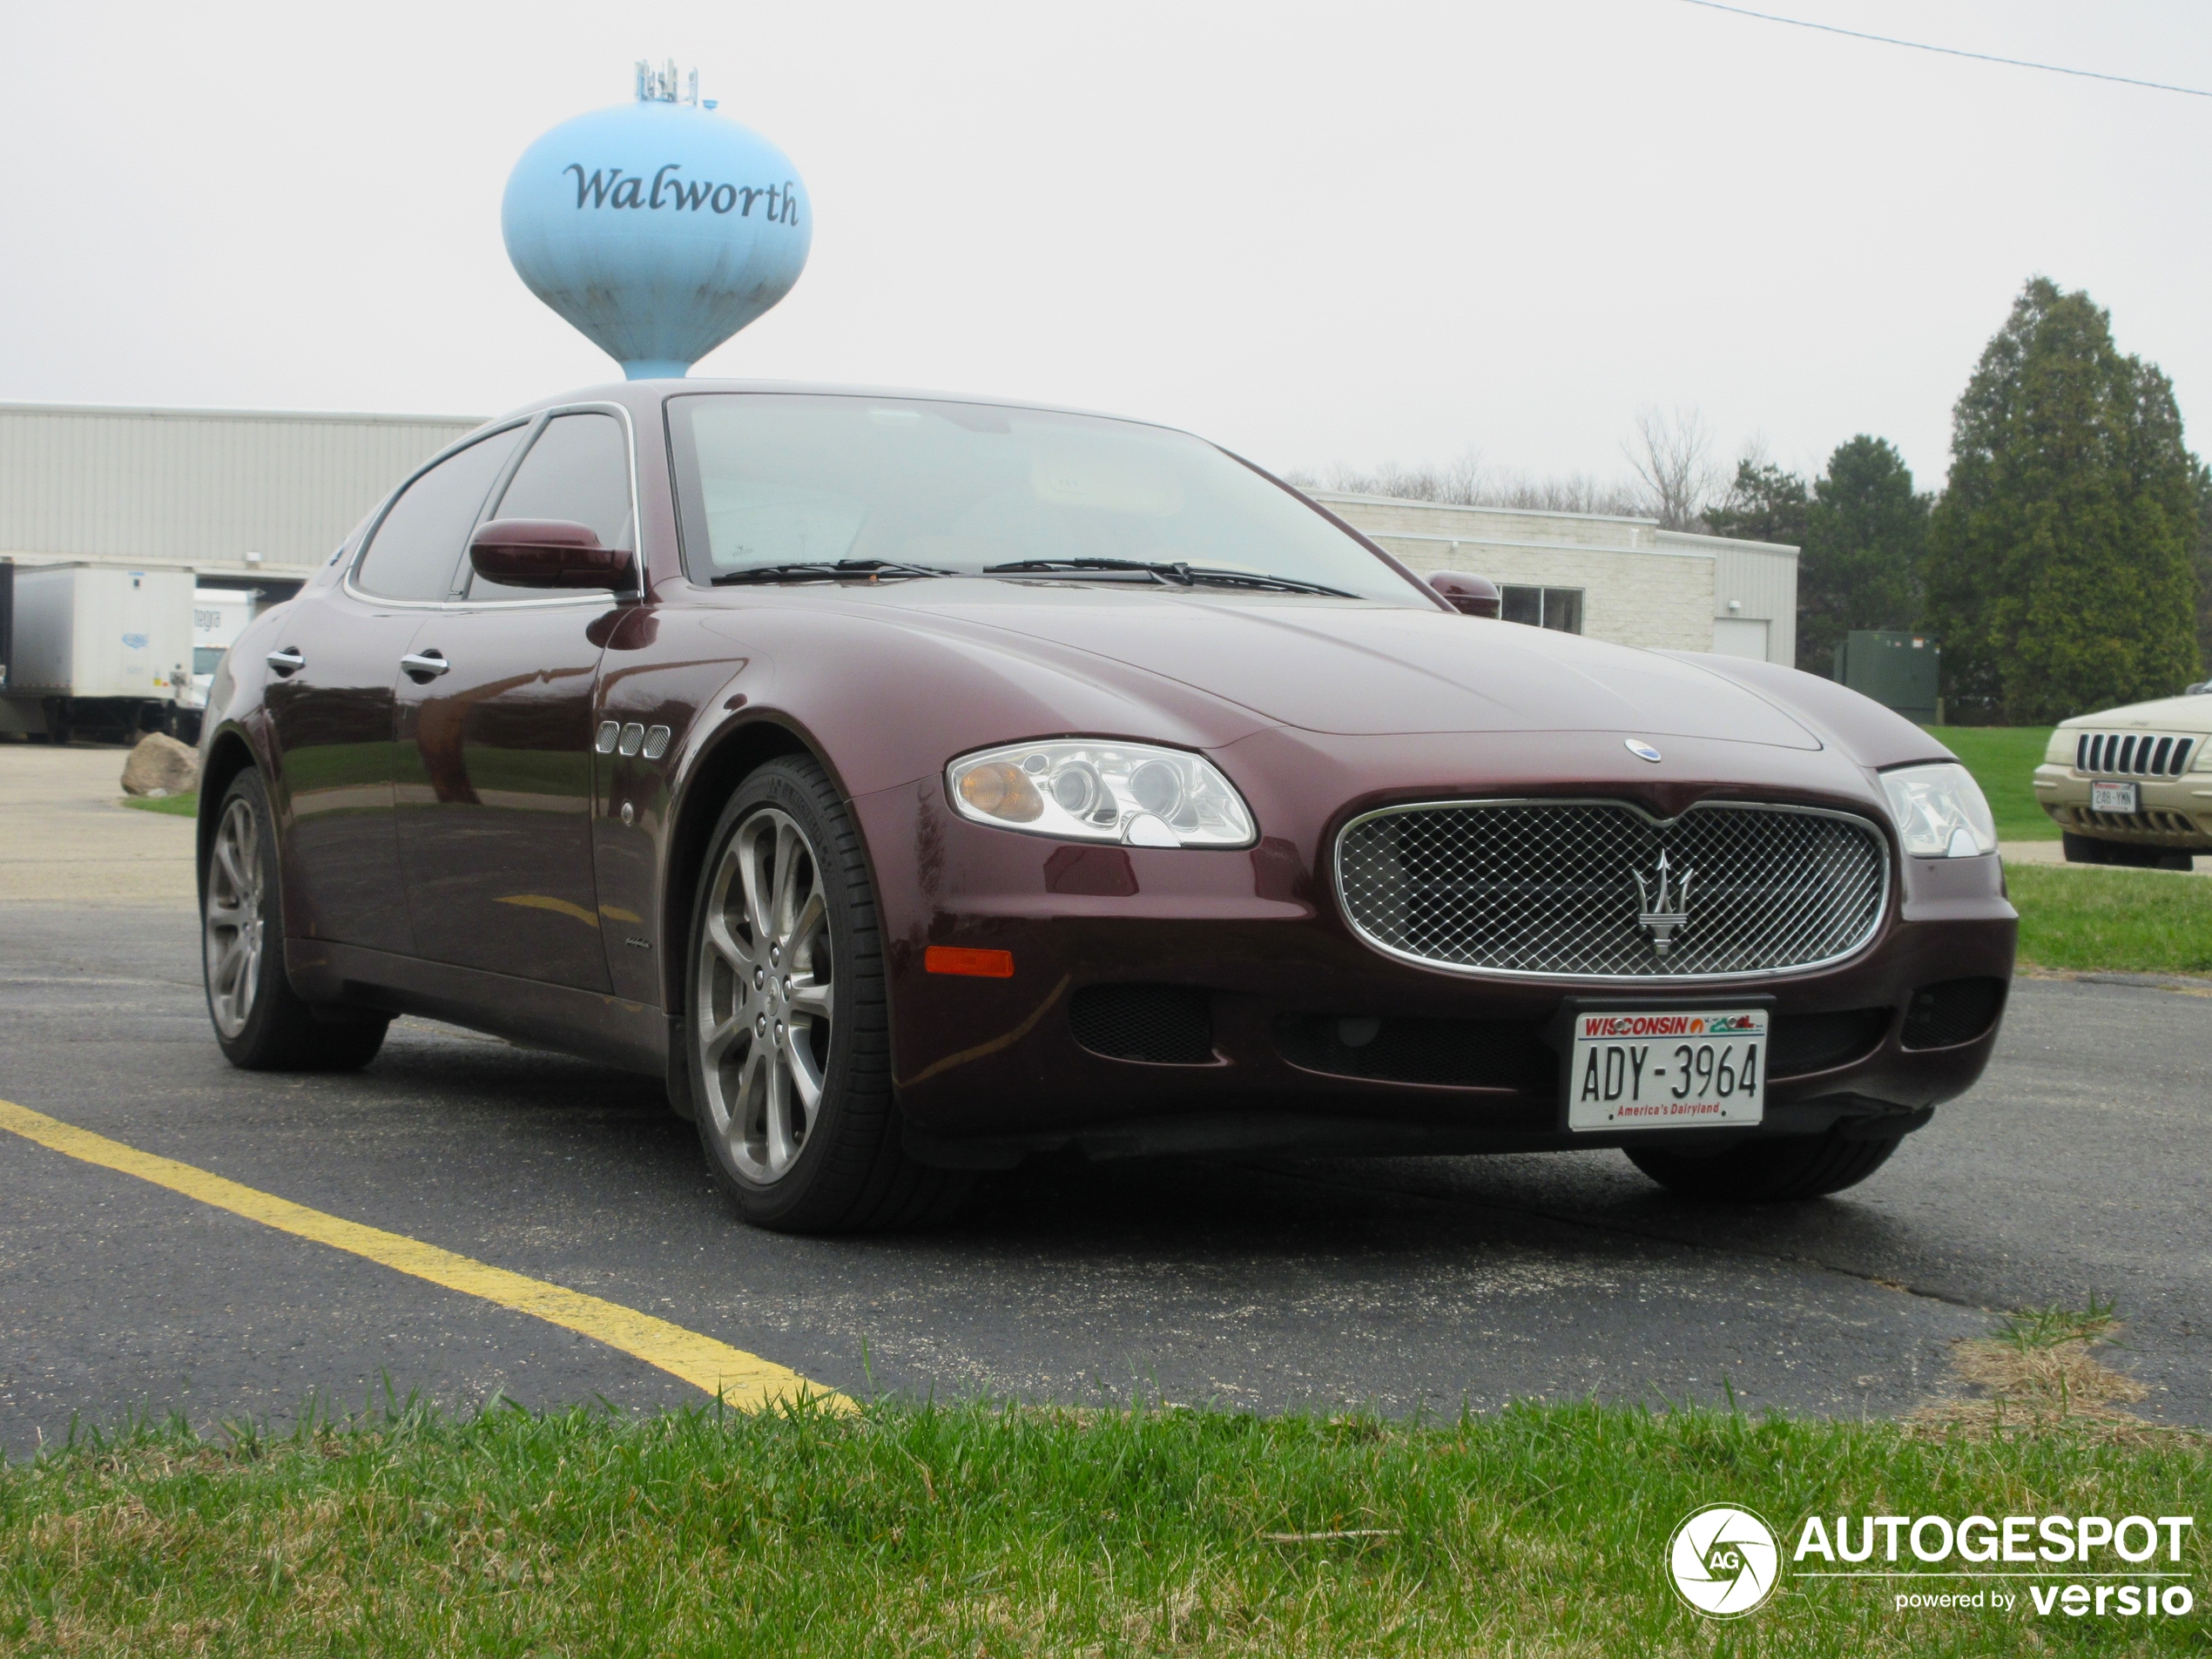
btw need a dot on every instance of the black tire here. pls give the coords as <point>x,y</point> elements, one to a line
<point>262,1023</point>
<point>849,1173</point>
<point>2085,849</point>
<point>1784,1169</point>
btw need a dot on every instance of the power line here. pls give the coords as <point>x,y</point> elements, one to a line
<point>1947,51</point>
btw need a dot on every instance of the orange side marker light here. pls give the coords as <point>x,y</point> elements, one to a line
<point>977,964</point>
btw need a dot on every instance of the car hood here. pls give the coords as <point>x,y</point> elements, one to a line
<point>1368,670</point>
<point>2167,714</point>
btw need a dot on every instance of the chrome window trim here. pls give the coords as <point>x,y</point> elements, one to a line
<point>536,418</point>
<point>1858,949</point>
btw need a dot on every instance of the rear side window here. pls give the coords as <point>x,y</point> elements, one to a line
<point>418,546</point>
<point>578,470</point>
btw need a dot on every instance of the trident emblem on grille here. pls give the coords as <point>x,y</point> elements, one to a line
<point>1659,918</point>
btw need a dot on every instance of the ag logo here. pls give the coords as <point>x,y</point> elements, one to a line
<point>1724,1561</point>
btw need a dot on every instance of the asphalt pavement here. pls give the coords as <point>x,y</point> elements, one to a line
<point>2076,1169</point>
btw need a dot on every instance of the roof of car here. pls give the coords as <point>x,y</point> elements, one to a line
<point>635,392</point>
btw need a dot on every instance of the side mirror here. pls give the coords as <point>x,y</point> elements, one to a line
<point>1477,596</point>
<point>547,553</point>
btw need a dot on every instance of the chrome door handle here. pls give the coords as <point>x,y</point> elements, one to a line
<point>287,661</point>
<point>424,666</point>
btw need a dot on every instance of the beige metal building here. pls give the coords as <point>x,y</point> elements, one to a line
<point>241,497</point>
<point>1621,579</point>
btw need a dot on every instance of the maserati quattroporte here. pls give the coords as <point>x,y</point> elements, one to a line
<point>916,783</point>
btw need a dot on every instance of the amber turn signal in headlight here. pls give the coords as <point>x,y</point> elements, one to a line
<point>1084,790</point>
<point>997,789</point>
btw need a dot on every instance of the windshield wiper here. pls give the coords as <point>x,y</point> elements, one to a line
<point>1219,576</point>
<point>1177,574</point>
<point>822,570</point>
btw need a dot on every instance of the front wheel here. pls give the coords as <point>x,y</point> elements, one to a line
<point>787,1032</point>
<point>1782,1169</point>
<point>261,1022</point>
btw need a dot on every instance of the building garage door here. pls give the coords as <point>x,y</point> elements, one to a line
<point>1740,637</point>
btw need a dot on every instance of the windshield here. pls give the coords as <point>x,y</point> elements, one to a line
<point>783,478</point>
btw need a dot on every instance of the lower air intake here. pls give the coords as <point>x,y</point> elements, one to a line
<point>1163,1025</point>
<point>1470,1054</point>
<point>1959,1010</point>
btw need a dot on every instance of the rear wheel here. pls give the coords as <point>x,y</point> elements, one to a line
<point>787,1034</point>
<point>1780,1170</point>
<point>260,1022</point>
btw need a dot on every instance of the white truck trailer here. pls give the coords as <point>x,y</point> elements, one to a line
<point>97,651</point>
<point>219,615</point>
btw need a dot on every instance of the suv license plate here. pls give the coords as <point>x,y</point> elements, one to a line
<point>1667,1068</point>
<point>2113,798</point>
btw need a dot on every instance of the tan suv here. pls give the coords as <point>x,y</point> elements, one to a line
<point>2133,785</point>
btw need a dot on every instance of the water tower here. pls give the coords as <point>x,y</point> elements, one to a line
<point>658,227</point>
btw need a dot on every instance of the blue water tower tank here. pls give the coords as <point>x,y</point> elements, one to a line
<point>658,227</point>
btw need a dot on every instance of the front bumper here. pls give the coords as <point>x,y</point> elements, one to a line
<point>988,1070</point>
<point>2174,812</point>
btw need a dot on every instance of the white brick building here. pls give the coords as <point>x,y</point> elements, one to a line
<point>1621,579</point>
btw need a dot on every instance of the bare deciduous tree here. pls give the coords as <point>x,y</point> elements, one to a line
<point>1467,482</point>
<point>1672,453</point>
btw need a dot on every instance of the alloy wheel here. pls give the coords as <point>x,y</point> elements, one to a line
<point>232,924</point>
<point>765,995</point>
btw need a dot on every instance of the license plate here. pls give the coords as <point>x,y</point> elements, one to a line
<point>2113,798</point>
<point>1667,1068</point>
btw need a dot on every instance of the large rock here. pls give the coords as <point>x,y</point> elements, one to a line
<point>160,765</point>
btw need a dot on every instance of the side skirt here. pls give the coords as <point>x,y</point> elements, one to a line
<point>590,1025</point>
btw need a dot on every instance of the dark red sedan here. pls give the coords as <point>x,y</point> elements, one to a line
<point>917,783</point>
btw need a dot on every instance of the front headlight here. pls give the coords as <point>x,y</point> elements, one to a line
<point>1080,790</point>
<point>1939,812</point>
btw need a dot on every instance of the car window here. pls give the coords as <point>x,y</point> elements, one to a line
<point>578,470</point>
<point>769,478</point>
<point>418,546</point>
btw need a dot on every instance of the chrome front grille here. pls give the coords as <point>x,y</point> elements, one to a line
<point>1573,889</point>
<point>2133,754</point>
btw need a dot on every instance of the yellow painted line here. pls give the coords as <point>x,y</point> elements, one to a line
<point>744,1380</point>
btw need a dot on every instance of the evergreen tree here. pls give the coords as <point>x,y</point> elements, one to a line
<point>2061,570</point>
<point>2204,564</point>
<point>1763,504</point>
<point>1867,536</point>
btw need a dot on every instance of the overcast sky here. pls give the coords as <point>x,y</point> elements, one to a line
<point>1381,231</point>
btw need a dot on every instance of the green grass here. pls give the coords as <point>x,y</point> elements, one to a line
<point>184,805</point>
<point>2088,918</point>
<point>2003,760</point>
<point>979,1530</point>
